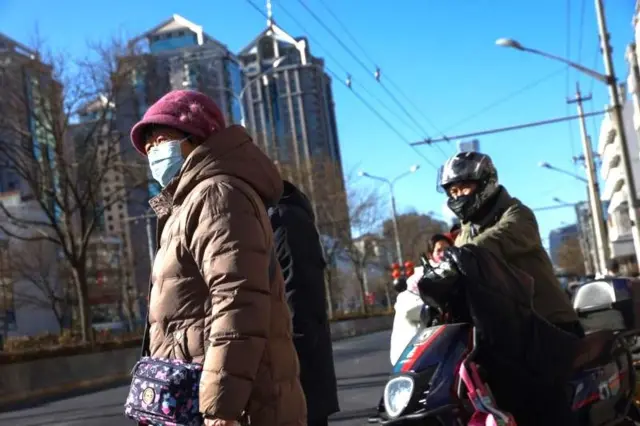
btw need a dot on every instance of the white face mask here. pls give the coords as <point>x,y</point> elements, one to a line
<point>165,161</point>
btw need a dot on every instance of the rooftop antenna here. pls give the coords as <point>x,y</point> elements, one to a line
<point>269,13</point>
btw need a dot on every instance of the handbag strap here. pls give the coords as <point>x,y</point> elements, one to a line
<point>273,261</point>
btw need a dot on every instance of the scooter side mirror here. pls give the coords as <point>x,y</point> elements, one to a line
<point>400,284</point>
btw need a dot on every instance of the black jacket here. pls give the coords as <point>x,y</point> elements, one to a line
<point>302,261</point>
<point>500,302</point>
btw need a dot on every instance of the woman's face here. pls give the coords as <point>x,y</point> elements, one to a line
<point>438,250</point>
<point>160,134</point>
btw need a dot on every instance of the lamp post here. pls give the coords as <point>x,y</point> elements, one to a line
<point>616,113</point>
<point>240,96</point>
<point>151,242</point>
<point>263,75</point>
<point>394,215</point>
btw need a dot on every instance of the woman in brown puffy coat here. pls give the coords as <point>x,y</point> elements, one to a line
<point>217,292</point>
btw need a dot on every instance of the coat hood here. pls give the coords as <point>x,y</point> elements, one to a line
<point>230,152</point>
<point>294,197</point>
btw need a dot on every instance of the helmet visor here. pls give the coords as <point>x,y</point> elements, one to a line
<point>460,169</point>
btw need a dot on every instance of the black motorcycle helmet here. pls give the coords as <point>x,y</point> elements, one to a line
<point>469,167</point>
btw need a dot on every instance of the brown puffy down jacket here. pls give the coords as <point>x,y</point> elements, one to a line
<point>212,300</point>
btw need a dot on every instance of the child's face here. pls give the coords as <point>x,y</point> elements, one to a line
<point>438,250</point>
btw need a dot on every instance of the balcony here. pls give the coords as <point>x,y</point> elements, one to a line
<point>622,247</point>
<point>607,133</point>
<point>619,227</point>
<point>610,159</point>
<point>613,181</point>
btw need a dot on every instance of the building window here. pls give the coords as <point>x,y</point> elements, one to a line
<point>267,48</point>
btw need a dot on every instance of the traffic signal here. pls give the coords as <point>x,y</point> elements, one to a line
<point>409,268</point>
<point>395,271</point>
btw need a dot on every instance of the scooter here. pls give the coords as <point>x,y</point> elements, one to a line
<point>438,381</point>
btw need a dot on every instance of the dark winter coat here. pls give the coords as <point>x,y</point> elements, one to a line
<point>526,357</point>
<point>510,231</point>
<point>301,257</point>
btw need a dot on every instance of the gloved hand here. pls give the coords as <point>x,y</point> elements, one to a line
<point>439,281</point>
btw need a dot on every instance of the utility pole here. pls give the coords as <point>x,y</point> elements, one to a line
<point>618,124</point>
<point>396,230</point>
<point>595,204</point>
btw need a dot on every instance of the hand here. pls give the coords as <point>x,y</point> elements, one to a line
<point>220,422</point>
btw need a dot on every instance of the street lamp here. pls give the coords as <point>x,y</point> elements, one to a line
<point>394,214</point>
<point>597,215</point>
<point>559,201</point>
<point>151,242</point>
<point>618,121</point>
<point>240,96</point>
<point>514,44</point>
<point>548,166</point>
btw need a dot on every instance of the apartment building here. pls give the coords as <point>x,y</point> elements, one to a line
<point>614,190</point>
<point>290,113</point>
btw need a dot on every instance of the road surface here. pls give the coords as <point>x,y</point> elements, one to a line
<point>362,365</point>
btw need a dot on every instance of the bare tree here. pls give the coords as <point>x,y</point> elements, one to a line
<point>35,279</point>
<point>340,209</point>
<point>414,229</point>
<point>363,251</point>
<point>570,257</point>
<point>58,136</point>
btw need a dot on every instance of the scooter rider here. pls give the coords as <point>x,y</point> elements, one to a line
<point>494,220</point>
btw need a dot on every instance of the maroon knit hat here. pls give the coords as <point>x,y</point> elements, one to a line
<point>186,110</point>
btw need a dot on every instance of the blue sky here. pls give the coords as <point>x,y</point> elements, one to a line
<point>442,54</point>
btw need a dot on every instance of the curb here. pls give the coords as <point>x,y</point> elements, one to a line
<point>70,390</point>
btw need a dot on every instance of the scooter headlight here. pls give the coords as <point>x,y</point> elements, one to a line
<point>397,395</point>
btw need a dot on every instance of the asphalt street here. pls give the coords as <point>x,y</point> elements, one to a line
<point>362,366</point>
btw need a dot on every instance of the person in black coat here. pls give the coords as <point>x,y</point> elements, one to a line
<point>301,258</point>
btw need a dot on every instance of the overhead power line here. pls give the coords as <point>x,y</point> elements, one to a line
<point>567,90</point>
<point>376,75</point>
<point>511,128</point>
<point>504,99</point>
<point>365,102</point>
<point>327,53</point>
<point>375,64</point>
<point>385,121</point>
<point>559,206</point>
<point>348,33</point>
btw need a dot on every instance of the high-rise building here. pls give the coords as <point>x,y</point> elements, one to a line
<point>290,113</point>
<point>28,95</point>
<point>176,54</point>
